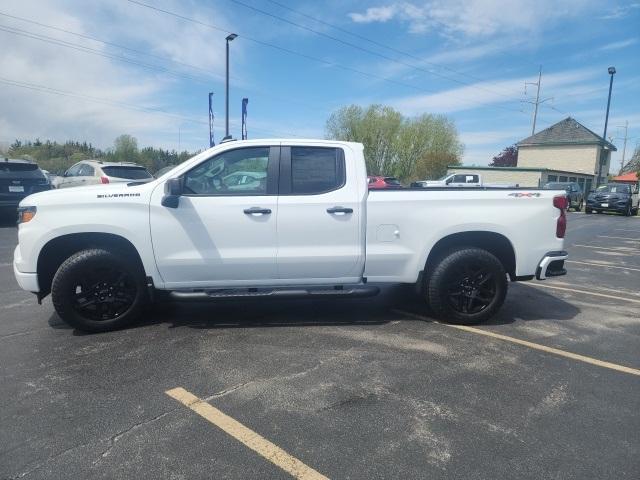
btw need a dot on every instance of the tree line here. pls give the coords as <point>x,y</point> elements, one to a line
<point>58,157</point>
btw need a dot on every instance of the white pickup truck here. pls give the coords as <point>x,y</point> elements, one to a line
<point>464,180</point>
<point>300,222</point>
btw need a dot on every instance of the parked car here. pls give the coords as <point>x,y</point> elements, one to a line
<point>310,230</point>
<point>574,193</point>
<point>613,197</point>
<point>19,178</point>
<point>380,182</point>
<point>464,180</point>
<point>94,172</point>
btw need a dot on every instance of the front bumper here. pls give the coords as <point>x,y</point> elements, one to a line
<point>552,265</point>
<point>613,205</point>
<point>27,281</point>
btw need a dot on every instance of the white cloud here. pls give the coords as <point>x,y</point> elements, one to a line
<point>620,11</point>
<point>483,94</point>
<point>374,14</point>
<point>618,45</point>
<point>29,114</point>
<point>475,18</point>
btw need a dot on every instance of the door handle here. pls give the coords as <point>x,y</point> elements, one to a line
<point>257,210</point>
<point>339,210</point>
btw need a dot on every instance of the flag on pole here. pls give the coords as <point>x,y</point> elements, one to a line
<point>211,118</point>
<point>244,118</point>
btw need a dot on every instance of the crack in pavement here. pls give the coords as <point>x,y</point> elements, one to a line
<point>115,438</point>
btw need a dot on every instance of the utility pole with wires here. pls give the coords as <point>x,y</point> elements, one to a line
<point>538,101</point>
<point>624,148</point>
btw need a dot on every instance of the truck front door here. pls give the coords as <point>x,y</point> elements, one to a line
<point>223,232</point>
<point>320,215</point>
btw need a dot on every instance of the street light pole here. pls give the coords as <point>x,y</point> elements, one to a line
<point>229,38</point>
<point>612,72</point>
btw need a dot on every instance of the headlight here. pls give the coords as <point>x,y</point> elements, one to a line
<point>26,214</point>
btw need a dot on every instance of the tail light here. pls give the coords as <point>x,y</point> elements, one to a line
<point>104,180</point>
<point>561,202</point>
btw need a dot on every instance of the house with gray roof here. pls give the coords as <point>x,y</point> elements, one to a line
<point>564,152</point>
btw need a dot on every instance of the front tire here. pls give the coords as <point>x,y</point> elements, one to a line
<point>97,290</point>
<point>628,210</point>
<point>467,286</point>
<point>579,207</point>
<point>587,210</point>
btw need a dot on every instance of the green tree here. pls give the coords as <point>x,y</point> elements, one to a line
<point>125,149</point>
<point>408,148</point>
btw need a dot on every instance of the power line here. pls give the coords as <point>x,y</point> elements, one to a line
<point>95,39</point>
<point>310,57</point>
<point>367,50</point>
<point>82,48</point>
<point>85,49</point>
<point>129,106</point>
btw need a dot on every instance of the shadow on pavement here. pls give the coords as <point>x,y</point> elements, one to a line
<point>524,303</point>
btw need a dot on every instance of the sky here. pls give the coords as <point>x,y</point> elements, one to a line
<point>92,70</point>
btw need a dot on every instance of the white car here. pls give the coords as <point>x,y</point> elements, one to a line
<point>95,172</point>
<point>313,228</point>
<point>459,180</point>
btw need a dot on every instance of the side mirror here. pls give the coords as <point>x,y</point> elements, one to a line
<point>172,190</point>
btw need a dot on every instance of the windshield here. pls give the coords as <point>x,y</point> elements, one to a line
<point>613,189</point>
<point>132,173</point>
<point>20,170</point>
<point>392,181</point>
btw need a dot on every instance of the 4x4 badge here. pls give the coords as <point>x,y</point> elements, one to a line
<point>527,194</point>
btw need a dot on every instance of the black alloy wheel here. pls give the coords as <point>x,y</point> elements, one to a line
<point>466,286</point>
<point>104,294</point>
<point>98,290</point>
<point>472,288</point>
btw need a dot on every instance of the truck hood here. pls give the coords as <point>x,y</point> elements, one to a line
<point>89,194</point>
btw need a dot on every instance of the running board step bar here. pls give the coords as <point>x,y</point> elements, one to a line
<point>230,294</point>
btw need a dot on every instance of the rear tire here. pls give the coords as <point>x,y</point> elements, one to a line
<point>97,290</point>
<point>587,211</point>
<point>467,286</point>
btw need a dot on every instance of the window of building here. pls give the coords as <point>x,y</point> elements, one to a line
<point>562,178</point>
<point>552,178</point>
<point>572,179</point>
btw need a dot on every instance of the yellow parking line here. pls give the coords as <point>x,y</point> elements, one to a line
<point>248,437</point>
<point>596,294</point>
<point>603,265</point>
<point>535,346</point>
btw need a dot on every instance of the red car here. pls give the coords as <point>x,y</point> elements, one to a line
<point>377,182</point>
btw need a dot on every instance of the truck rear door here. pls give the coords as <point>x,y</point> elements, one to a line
<point>320,215</point>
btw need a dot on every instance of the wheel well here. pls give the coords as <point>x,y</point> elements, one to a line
<point>57,250</point>
<point>492,242</point>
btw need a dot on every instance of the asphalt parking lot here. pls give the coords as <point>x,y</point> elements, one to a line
<point>357,389</point>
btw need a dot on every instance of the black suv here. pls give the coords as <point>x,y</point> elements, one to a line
<point>613,197</point>
<point>574,193</point>
<point>19,178</point>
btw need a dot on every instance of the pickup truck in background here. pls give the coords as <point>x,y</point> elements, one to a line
<point>305,225</point>
<point>465,180</point>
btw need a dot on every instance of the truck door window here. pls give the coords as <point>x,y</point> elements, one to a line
<point>234,172</point>
<point>472,178</point>
<point>316,170</point>
<point>460,179</point>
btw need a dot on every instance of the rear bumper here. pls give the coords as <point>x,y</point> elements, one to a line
<point>552,265</point>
